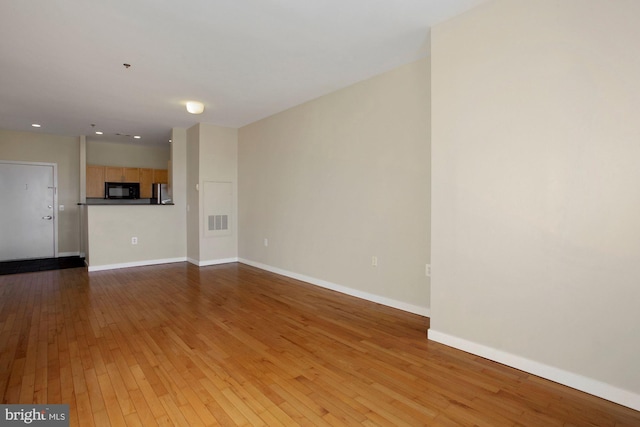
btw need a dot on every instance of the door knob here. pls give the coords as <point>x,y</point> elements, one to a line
<point>47,217</point>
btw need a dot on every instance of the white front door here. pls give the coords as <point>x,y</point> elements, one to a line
<point>27,209</point>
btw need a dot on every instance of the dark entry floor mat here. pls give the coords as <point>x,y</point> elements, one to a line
<point>31,265</point>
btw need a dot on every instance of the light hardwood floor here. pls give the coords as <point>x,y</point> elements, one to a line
<point>233,345</point>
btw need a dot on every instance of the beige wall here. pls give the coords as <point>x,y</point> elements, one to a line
<point>536,189</point>
<point>161,236</point>
<point>212,156</point>
<point>218,163</point>
<point>64,151</point>
<point>127,155</point>
<point>193,202</point>
<point>178,182</point>
<point>338,180</point>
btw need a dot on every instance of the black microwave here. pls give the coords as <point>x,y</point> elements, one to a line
<point>121,190</point>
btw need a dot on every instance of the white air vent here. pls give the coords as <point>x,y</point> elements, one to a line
<point>217,218</point>
<point>218,222</point>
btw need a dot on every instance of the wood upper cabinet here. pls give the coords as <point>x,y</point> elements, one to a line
<point>120,174</point>
<point>131,174</point>
<point>98,175</point>
<point>161,176</point>
<point>146,180</point>
<point>113,174</point>
<point>95,181</point>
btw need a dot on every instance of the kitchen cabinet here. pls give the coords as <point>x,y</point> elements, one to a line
<point>113,174</point>
<point>146,181</point>
<point>131,174</point>
<point>98,175</point>
<point>161,176</point>
<point>120,174</point>
<point>95,181</point>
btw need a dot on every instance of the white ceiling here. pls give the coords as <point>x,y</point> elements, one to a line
<point>61,61</point>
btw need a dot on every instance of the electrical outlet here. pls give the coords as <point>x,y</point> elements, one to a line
<point>61,208</point>
<point>374,261</point>
<point>427,270</point>
<point>266,242</point>
<point>134,240</point>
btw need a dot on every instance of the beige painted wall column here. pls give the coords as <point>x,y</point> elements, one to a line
<point>193,199</point>
<point>178,182</point>
<point>82,209</point>
<point>212,157</point>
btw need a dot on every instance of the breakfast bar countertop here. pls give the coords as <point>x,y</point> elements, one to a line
<point>100,201</point>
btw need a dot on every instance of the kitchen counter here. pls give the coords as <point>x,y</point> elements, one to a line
<point>98,201</point>
<point>118,235</point>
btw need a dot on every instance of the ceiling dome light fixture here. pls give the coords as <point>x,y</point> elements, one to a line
<point>195,107</point>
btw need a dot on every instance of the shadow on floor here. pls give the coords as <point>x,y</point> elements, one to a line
<point>31,265</point>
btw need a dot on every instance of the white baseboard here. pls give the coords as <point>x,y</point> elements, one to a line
<point>135,264</point>
<point>578,382</point>
<point>423,311</point>
<point>212,262</point>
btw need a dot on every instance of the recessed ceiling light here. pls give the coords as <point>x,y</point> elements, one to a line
<point>98,132</point>
<point>195,107</point>
<point>35,125</point>
<point>137,137</point>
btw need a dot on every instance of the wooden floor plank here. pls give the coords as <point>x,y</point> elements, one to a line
<point>120,390</point>
<point>234,345</point>
<point>83,410</point>
<point>115,411</point>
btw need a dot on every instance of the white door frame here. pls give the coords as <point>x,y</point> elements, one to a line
<point>55,196</point>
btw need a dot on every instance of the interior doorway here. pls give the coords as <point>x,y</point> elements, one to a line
<point>28,201</point>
